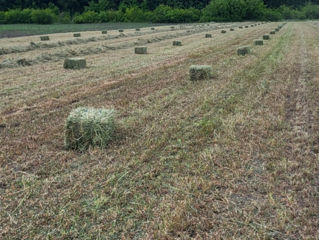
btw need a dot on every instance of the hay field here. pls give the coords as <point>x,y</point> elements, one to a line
<point>231,157</point>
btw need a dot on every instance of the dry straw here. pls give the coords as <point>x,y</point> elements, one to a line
<point>200,72</point>
<point>74,63</point>
<point>87,127</point>
<point>44,38</point>
<point>141,50</point>
<point>242,51</point>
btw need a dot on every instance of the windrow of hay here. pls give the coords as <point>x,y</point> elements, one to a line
<point>87,127</point>
<point>200,72</point>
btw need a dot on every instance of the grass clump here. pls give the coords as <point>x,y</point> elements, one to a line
<point>242,51</point>
<point>200,72</point>
<point>44,38</point>
<point>74,63</point>
<point>87,127</point>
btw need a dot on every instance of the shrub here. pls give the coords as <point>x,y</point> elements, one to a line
<point>135,14</point>
<point>45,16</point>
<point>111,16</point>
<point>87,17</point>
<point>183,15</point>
<point>161,13</point>
<point>271,15</point>
<point>310,11</point>
<point>2,17</point>
<point>18,16</point>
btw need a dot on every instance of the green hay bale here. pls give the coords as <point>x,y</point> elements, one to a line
<point>141,50</point>
<point>266,37</point>
<point>242,51</point>
<point>223,31</point>
<point>77,35</point>
<point>152,29</point>
<point>172,28</point>
<point>87,127</point>
<point>74,63</point>
<point>252,25</point>
<point>177,43</point>
<point>208,35</point>
<point>246,26</point>
<point>241,27</point>
<point>44,38</point>
<point>137,29</point>
<point>231,29</point>
<point>259,42</point>
<point>104,32</point>
<point>272,32</point>
<point>200,72</point>
<point>121,30</point>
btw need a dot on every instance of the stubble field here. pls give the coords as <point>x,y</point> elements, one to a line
<point>232,157</point>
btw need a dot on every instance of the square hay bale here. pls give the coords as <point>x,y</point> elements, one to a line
<point>272,32</point>
<point>104,32</point>
<point>231,29</point>
<point>259,42</point>
<point>241,27</point>
<point>74,63</point>
<point>137,29</point>
<point>266,37</point>
<point>177,43</point>
<point>141,50</point>
<point>223,31</point>
<point>152,29</point>
<point>242,51</point>
<point>121,30</point>
<point>246,26</point>
<point>77,35</point>
<point>207,35</point>
<point>87,127</point>
<point>172,27</point>
<point>200,72</point>
<point>44,38</point>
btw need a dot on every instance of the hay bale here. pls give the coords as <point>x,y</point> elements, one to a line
<point>223,31</point>
<point>137,29</point>
<point>242,51</point>
<point>231,29</point>
<point>177,43</point>
<point>121,30</point>
<point>241,27</point>
<point>104,32</point>
<point>207,35</point>
<point>259,42</point>
<point>246,26</point>
<point>74,63</point>
<point>77,35</point>
<point>152,29</point>
<point>272,32</point>
<point>200,72</point>
<point>172,27</point>
<point>266,37</point>
<point>44,38</point>
<point>141,50</point>
<point>87,127</point>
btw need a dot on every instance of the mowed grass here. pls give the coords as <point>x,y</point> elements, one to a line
<point>13,30</point>
<point>217,159</point>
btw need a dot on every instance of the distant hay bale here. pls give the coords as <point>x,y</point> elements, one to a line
<point>207,35</point>
<point>242,51</point>
<point>104,32</point>
<point>74,63</point>
<point>141,50</point>
<point>272,32</point>
<point>200,72</point>
<point>137,29</point>
<point>44,38</point>
<point>172,27</point>
<point>231,29</point>
<point>87,127</point>
<point>121,30</point>
<point>252,25</point>
<point>241,27</point>
<point>246,26</point>
<point>77,35</point>
<point>266,37</point>
<point>223,31</point>
<point>259,42</point>
<point>152,29</point>
<point>177,43</point>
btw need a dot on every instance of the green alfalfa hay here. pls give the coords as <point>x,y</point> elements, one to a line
<point>200,72</point>
<point>177,43</point>
<point>207,35</point>
<point>223,31</point>
<point>104,32</point>
<point>232,29</point>
<point>266,37</point>
<point>141,50</point>
<point>258,42</point>
<point>273,32</point>
<point>44,38</point>
<point>153,29</point>
<point>77,35</point>
<point>242,51</point>
<point>121,30</point>
<point>137,29</point>
<point>87,127</point>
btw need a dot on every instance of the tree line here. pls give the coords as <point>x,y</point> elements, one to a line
<point>173,11</point>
